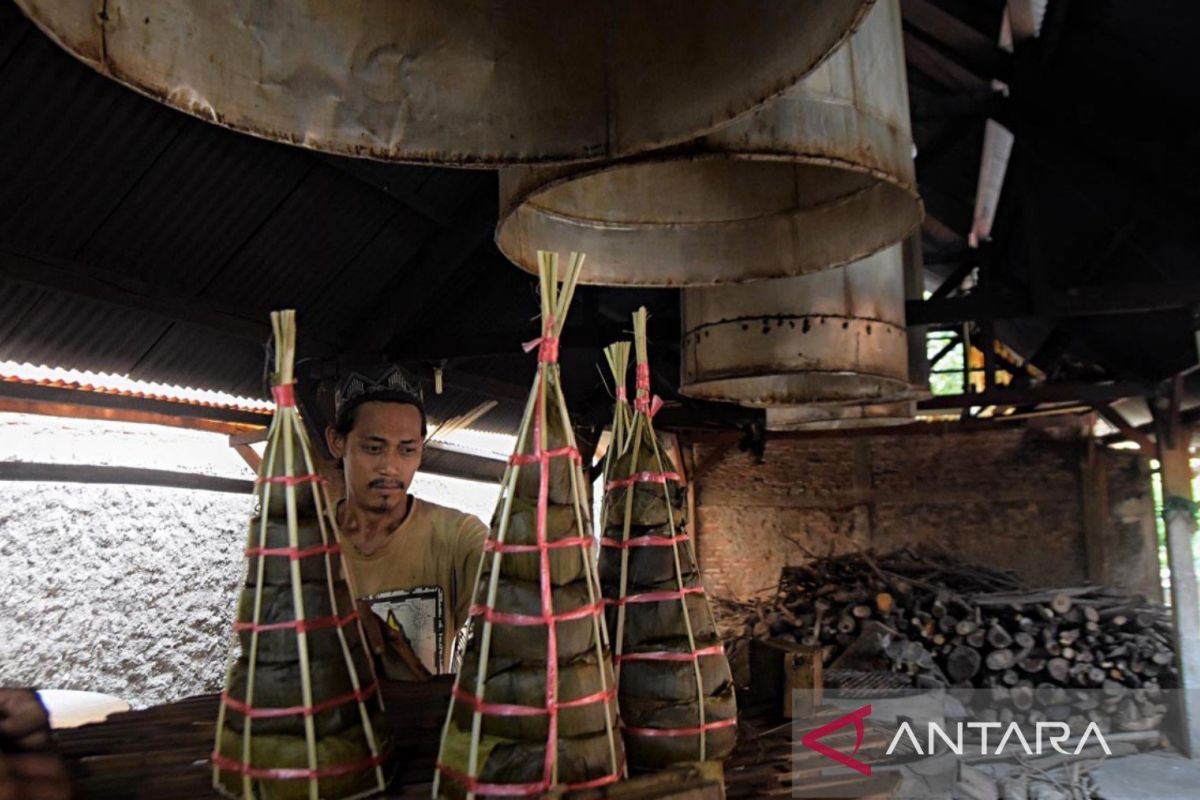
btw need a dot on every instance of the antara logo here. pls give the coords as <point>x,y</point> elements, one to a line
<point>1013,732</point>
<point>855,718</point>
<point>1053,734</point>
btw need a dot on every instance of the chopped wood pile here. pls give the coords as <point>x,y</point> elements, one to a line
<point>1080,654</point>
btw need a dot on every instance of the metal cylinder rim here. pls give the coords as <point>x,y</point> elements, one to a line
<point>838,388</point>
<point>765,91</point>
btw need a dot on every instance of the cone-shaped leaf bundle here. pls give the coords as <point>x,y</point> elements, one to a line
<point>675,688</point>
<point>299,717</point>
<point>534,705</point>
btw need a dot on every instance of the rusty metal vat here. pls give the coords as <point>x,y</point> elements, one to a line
<point>821,176</point>
<point>833,418</point>
<point>832,337</point>
<point>462,82</point>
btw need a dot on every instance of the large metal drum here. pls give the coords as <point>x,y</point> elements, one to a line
<point>837,418</point>
<point>464,82</point>
<point>835,336</point>
<point>821,176</point>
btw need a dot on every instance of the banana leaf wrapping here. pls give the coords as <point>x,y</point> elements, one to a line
<point>277,607</point>
<point>559,487</point>
<point>531,712</point>
<point>675,689</point>
<point>513,682</point>
<point>278,686</point>
<point>275,751</point>
<point>278,571</point>
<point>657,714</point>
<point>300,715</point>
<point>566,564</point>
<point>581,759</point>
<point>528,642</point>
<point>647,566</point>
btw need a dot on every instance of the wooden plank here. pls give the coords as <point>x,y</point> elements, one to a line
<point>931,62</point>
<point>1131,433</point>
<point>1134,298</point>
<point>1033,395</point>
<point>252,459</point>
<point>977,52</point>
<point>249,436</point>
<point>128,476</point>
<point>442,458</point>
<point>77,411</point>
<point>1093,498</point>
<point>19,390</point>
<point>1178,510</point>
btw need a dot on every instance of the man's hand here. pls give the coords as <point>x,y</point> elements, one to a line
<point>34,776</point>
<point>385,641</point>
<point>24,723</point>
<point>24,729</point>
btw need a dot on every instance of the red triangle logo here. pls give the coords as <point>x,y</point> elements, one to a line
<point>812,739</point>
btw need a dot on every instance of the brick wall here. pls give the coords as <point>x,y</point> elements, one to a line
<point>1012,497</point>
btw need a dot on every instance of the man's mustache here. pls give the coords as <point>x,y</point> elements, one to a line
<point>384,483</point>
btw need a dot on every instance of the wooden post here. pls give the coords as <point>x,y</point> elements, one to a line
<point>1093,498</point>
<point>1179,516</point>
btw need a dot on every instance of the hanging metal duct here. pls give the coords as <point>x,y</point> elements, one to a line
<point>835,336</point>
<point>463,82</point>
<point>821,176</point>
<point>849,417</point>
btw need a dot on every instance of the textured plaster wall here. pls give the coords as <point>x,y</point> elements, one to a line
<point>124,590</point>
<point>130,590</point>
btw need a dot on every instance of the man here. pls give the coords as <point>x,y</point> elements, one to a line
<point>412,563</point>
<point>29,767</point>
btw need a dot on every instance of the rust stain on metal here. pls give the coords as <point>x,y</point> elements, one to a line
<point>821,176</point>
<point>458,82</point>
<point>851,345</point>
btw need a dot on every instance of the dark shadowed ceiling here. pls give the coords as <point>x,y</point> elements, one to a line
<point>137,240</point>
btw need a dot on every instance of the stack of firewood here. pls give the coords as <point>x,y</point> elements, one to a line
<point>1081,653</point>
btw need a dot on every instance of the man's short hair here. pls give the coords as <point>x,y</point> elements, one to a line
<point>386,383</point>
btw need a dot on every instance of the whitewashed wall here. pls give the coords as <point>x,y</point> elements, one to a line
<point>129,590</point>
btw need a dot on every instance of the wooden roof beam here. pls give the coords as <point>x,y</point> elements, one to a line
<point>1085,393</point>
<point>1138,298</point>
<point>977,52</point>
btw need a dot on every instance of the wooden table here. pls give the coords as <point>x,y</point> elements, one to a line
<point>162,752</point>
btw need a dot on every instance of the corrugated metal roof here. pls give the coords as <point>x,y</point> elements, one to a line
<point>103,178</point>
<point>30,375</point>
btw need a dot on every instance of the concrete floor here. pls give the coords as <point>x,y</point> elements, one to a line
<point>1160,776</point>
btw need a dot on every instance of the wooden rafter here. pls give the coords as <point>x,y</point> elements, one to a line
<point>1086,393</point>
<point>35,396</point>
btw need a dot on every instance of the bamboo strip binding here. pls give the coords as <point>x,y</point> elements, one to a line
<point>623,476</point>
<point>296,475</point>
<point>545,405</point>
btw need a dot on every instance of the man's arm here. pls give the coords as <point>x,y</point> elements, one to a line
<point>468,553</point>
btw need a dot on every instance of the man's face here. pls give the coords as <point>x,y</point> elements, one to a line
<point>380,454</point>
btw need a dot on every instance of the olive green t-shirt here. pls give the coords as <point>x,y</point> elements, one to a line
<point>421,580</point>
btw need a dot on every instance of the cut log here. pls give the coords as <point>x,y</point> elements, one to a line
<point>1061,603</point>
<point>963,663</point>
<point>998,637</point>
<point>884,603</point>
<point>999,660</point>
